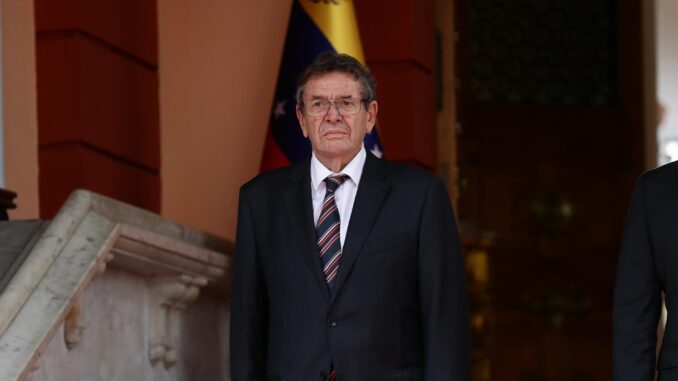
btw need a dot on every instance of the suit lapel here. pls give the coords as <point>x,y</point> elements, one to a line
<point>368,201</point>
<point>300,209</point>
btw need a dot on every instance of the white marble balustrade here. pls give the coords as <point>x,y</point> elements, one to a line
<point>113,292</point>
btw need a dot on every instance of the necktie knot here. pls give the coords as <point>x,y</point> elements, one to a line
<point>333,182</point>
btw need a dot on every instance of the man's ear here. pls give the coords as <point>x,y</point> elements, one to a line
<point>300,118</point>
<point>372,109</point>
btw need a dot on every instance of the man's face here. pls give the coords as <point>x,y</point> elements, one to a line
<point>333,135</point>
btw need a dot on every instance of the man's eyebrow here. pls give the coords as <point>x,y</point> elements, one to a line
<point>339,97</point>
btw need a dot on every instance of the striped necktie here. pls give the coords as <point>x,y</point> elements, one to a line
<point>328,230</point>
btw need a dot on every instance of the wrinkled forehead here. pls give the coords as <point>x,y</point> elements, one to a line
<point>333,85</point>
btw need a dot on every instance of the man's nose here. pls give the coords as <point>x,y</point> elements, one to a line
<point>333,114</point>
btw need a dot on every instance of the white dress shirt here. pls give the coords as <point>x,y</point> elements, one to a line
<point>344,196</point>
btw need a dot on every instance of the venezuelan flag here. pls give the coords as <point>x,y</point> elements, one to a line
<point>315,26</point>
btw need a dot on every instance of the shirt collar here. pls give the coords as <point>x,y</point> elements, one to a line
<point>354,169</point>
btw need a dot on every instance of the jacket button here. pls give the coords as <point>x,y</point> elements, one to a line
<point>331,323</point>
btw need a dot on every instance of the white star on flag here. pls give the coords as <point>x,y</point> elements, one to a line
<point>376,151</point>
<point>279,109</point>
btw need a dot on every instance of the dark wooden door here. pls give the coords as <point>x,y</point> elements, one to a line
<point>550,107</point>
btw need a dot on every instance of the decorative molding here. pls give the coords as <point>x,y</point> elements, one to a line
<point>73,329</point>
<point>147,253</point>
<point>103,263</point>
<point>169,298</point>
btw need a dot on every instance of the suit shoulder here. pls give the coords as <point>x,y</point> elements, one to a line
<point>409,174</point>
<point>271,179</point>
<point>661,177</point>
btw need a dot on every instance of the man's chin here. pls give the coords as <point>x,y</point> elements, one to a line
<point>338,152</point>
<point>336,145</point>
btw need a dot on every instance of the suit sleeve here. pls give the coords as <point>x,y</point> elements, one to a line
<point>442,288</point>
<point>249,311</point>
<point>637,298</point>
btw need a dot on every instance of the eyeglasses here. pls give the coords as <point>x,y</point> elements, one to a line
<point>345,106</point>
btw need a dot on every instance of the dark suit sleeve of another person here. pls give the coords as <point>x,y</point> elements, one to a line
<point>637,297</point>
<point>442,291</point>
<point>249,314</point>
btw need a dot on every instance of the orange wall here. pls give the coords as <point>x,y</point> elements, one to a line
<point>218,65</point>
<point>20,105</point>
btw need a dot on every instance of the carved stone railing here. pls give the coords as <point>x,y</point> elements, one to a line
<point>109,291</point>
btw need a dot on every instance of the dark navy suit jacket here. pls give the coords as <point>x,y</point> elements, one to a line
<point>399,310</point>
<point>648,265</point>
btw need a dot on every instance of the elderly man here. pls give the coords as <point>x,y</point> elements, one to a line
<point>347,267</point>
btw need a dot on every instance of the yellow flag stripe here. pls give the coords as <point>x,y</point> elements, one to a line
<point>336,20</point>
